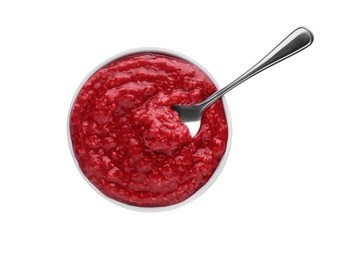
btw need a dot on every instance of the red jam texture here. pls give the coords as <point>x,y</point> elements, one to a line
<point>129,142</point>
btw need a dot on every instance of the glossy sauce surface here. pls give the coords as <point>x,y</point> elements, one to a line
<point>129,142</point>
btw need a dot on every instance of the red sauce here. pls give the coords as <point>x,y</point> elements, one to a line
<point>129,142</point>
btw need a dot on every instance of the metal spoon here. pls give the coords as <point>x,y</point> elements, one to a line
<point>298,40</point>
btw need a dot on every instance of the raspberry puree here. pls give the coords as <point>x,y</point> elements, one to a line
<point>128,141</point>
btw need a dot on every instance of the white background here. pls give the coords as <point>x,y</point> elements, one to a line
<point>278,195</point>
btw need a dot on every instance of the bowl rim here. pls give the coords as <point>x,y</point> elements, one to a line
<point>222,162</point>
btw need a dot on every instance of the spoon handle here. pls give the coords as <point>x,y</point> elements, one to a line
<point>298,40</point>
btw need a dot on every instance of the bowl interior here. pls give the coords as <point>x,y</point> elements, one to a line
<point>227,113</point>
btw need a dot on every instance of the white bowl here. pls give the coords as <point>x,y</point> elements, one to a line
<point>228,119</point>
